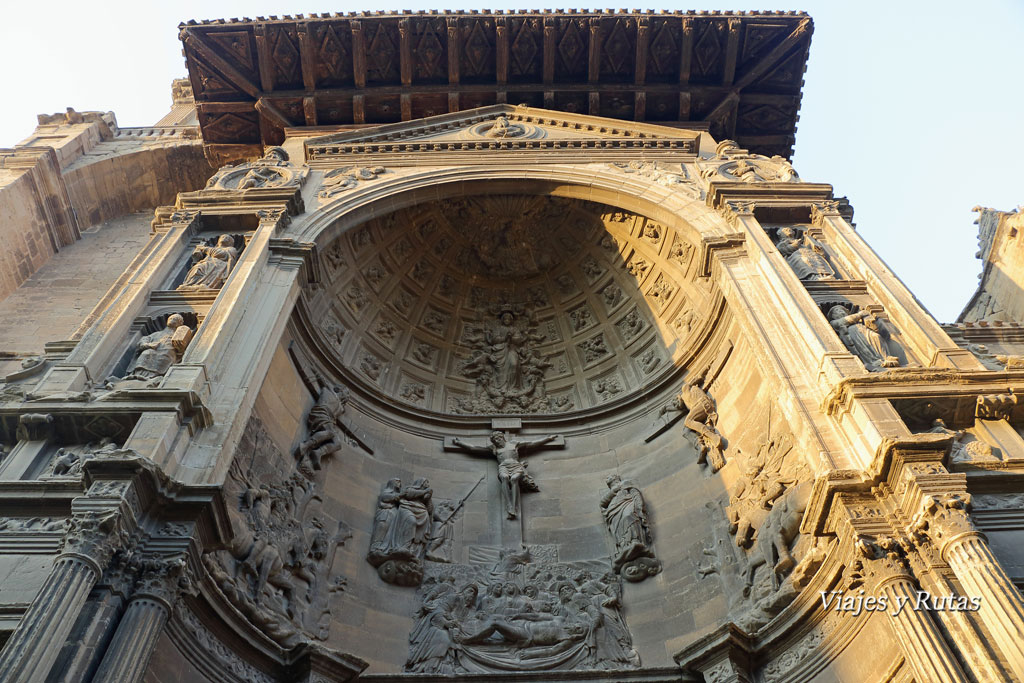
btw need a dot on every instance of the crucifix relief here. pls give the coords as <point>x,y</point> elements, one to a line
<point>512,474</point>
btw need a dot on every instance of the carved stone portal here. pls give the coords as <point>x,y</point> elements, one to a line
<point>520,615</point>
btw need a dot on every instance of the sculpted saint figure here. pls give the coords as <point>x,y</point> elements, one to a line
<point>212,265</point>
<point>160,350</point>
<point>868,337</point>
<point>511,471</point>
<point>805,255</point>
<point>701,417</point>
<point>325,437</point>
<point>626,516</point>
<point>401,531</point>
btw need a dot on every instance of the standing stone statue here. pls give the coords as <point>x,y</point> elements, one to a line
<point>701,419</point>
<point>511,470</point>
<point>805,255</point>
<point>868,337</point>
<point>401,532</point>
<point>160,350</point>
<point>212,265</point>
<point>626,516</point>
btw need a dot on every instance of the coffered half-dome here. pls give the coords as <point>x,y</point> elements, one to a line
<point>509,304</point>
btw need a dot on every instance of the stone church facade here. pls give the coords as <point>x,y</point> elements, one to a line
<point>490,346</point>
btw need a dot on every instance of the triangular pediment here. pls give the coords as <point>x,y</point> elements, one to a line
<point>502,127</point>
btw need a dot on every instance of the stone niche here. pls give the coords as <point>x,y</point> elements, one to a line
<point>508,304</point>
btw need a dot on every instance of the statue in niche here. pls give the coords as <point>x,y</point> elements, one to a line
<point>160,350</point>
<point>512,472</point>
<point>212,265</point>
<point>701,419</point>
<point>521,616</point>
<point>626,516</point>
<point>868,337</point>
<point>401,532</point>
<point>506,367</point>
<point>805,255</point>
<point>326,433</point>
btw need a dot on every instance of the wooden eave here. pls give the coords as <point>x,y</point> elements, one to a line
<point>739,74</point>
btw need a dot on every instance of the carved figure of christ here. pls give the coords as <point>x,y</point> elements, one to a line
<point>512,475</point>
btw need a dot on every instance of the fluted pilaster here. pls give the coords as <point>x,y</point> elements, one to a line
<point>923,644</point>
<point>1002,609</point>
<point>128,655</point>
<point>32,649</point>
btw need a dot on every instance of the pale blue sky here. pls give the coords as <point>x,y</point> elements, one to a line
<point>911,109</point>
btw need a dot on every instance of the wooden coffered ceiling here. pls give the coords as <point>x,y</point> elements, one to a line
<point>739,74</point>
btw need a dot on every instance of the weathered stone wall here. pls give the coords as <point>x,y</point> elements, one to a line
<point>52,303</point>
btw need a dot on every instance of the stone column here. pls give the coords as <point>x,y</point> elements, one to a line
<point>923,644</point>
<point>89,543</point>
<point>945,522</point>
<point>159,584</point>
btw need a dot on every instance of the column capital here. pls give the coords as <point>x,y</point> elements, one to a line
<point>162,578</point>
<point>94,536</point>
<point>942,519</point>
<point>883,558</point>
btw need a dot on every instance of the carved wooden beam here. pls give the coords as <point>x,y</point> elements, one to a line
<point>643,39</point>
<point>263,58</point>
<point>358,55</point>
<point>274,115</point>
<point>732,51</point>
<point>309,110</point>
<point>453,50</point>
<point>209,56</point>
<point>307,57</point>
<point>686,52</point>
<point>501,50</point>
<point>549,49</point>
<point>405,51</point>
<point>770,59</point>
<point>594,63</point>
